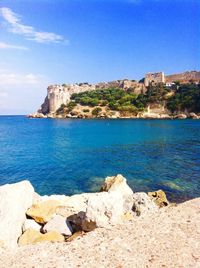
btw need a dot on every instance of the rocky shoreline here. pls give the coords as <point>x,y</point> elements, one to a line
<point>86,224</point>
<point>116,115</point>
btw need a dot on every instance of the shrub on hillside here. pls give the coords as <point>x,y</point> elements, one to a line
<point>96,111</point>
<point>86,110</point>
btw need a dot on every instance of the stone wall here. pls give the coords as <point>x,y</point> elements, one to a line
<point>154,77</point>
<point>60,94</point>
<point>184,77</point>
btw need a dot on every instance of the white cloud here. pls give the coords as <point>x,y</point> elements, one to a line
<point>9,46</point>
<point>3,94</point>
<point>15,26</point>
<point>3,98</point>
<point>16,79</point>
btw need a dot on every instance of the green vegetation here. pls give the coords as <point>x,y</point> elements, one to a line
<point>62,108</point>
<point>187,97</point>
<point>70,106</point>
<point>96,111</point>
<point>115,98</point>
<point>177,98</point>
<point>86,110</point>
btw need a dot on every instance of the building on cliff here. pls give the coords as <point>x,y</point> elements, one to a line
<point>160,77</point>
<point>61,94</point>
<point>154,77</point>
<point>58,95</point>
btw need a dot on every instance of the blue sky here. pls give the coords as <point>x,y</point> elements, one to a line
<point>64,41</point>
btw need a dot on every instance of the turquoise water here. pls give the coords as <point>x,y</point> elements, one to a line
<point>74,156</point>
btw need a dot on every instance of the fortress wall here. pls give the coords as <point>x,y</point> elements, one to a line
<point>58,95</point>
<point>154,77</point>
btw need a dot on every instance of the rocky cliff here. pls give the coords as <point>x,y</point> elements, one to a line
<point>60,94</point>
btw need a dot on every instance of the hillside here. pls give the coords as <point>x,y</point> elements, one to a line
<point>158,100</point>
<point>184,77</point>
<point>155,96</point>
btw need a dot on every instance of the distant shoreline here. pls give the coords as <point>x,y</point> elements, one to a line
<point>177,117</point>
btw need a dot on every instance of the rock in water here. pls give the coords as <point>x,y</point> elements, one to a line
<point>193,116</point>
<point>142,203</point>
<point>103,209</point>
<point>44,211</point>
<point>118,184</point>
<point>32,236</point>
<point>159,197</point>
<point>15,199</point>
<point>60,224</point>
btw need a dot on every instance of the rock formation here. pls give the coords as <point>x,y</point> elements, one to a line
<point>51,217</point>
<point>15,199</point>
<point>151,233</point>
<point>60,94</point>
<point>44,211</point>
<point>159,197</point>
<point>32,236</point>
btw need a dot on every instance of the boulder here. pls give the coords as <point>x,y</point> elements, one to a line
<point>32,236</point>
<point>61,198</point>
<point>165,116</point>
<point>159,197</point>
<point>142,204</point>
<point>74,204</point>
<point>31,224</point>
<point>193,116</point>
<point>180,116</point>
<point>37,115</point>
<point>74,209</point>
<point>59,224</point>
<point>44,211</point>
<point>15,199</point>
<point>103,209</point>
<point>75,236</point>
<point>76,220</point>
<point>118,184</point>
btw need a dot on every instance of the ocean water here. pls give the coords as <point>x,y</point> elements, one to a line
<point>73,156</point>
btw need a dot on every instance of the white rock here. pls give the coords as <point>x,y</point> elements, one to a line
<point>181,116</point>
<point>118,184</point>
<point>142,204</point>
<point>75,203</point>
<point>42,198</point>
<point>103,209</point>
<point>15,199</point>
<point>30,224</point>
<point>59,224</point>
<point>69,204</point>
<point>193,116</point>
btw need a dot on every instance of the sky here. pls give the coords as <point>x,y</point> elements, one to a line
<point>46,42</point>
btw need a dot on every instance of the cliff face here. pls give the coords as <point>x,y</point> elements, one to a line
<point>61,94</point>
<point>58,95</point>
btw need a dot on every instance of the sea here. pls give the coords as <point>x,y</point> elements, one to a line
<point>70,156</point>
